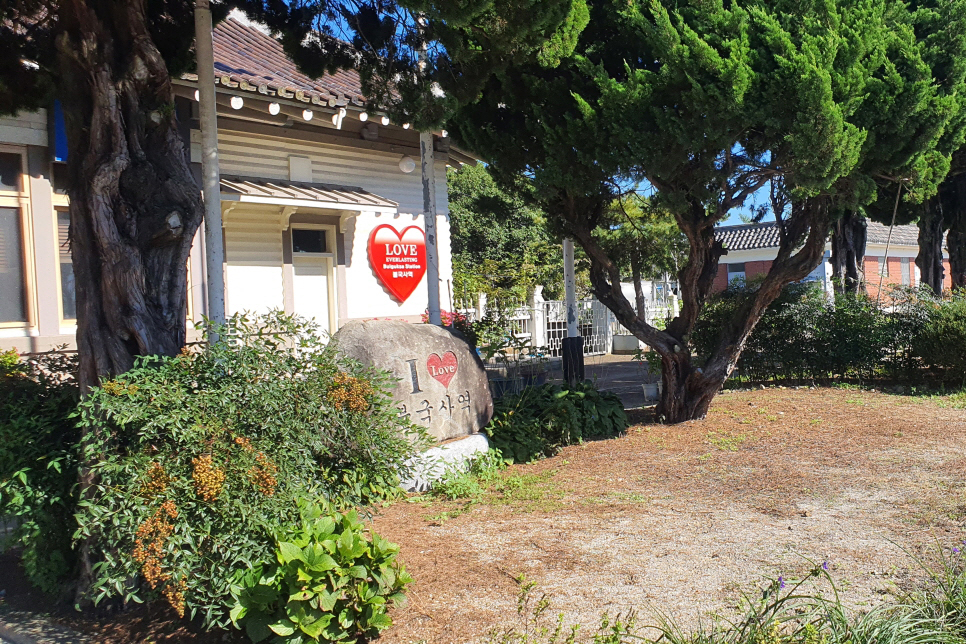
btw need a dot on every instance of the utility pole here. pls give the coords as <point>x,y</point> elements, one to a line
<point>427,158</point>
<point>211,180</point>
<point>427,162</point>
<point>573,344</point>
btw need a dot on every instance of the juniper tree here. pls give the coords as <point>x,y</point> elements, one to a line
<point>710,103</point>
<point>134,206</point>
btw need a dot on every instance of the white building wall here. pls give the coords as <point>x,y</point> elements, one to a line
<point>253,240</point>
<point>253,260</point>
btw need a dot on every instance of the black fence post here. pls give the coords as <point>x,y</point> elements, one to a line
<point>573,360</point>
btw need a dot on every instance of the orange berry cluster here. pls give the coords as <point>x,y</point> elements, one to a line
<point>349,392</point>
<point>174,593</point>
<point>244,443</point>
<point>149,543</point>
<point>263,474</point>
<point>208,478</point>
<point>157,481</point>
<point>116,388</point>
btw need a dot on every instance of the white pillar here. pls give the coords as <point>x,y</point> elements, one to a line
<point>570,288</point>
<point>427,159</point>
<point>211,183</point>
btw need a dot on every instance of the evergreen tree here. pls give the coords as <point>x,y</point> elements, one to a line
<point>710,102</point>
<point>501,246</point>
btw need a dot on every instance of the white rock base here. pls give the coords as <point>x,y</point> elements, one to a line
<point>429,466</point>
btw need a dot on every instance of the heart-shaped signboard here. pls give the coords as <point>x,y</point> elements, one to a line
<point>443,368</point>
<point>398,260</point>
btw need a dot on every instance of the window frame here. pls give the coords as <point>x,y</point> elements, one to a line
<point>329,231</point>
<point>20,201</point>
<point>64,321</point>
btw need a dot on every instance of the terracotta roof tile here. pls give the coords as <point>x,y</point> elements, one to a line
<point>249,59</point>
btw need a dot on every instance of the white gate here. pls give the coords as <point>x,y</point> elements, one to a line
<point>593,323</point>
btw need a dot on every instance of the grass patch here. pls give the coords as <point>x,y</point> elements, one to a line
<point>487,481</point>
<point>726,441</point>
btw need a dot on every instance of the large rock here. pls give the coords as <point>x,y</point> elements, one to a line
<point>441,382</point>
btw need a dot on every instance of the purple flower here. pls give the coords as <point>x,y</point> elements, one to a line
<point>955,551</point>
<point>781,582</point>
<point>825,566</point>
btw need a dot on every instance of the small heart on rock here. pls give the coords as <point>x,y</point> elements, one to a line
<point>442,368</point>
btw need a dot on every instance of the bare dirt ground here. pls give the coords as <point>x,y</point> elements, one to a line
<point>684,519</point>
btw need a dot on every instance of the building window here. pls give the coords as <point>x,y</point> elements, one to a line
<point>736,272</point>
<point>68,290</point>
<point>308,241</point>
<point>881,266</point>
<point>905,271</point>
<point>11,169</point>
<point>13,294</point>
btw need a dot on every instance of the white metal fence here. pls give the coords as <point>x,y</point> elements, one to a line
<point>544,322</point>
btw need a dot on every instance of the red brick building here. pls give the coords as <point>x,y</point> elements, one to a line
<point>752,247</point>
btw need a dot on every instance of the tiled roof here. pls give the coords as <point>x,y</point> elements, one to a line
<point>901,235</point>
<point>251,60</point>
<point>748,236</point>
<point>765,235</point>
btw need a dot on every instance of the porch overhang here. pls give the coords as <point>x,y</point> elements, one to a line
<point>295,194</point>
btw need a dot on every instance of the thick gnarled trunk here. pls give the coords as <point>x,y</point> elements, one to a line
<point>849,235</point>
<point>930,257</point>
<point>134,206</point>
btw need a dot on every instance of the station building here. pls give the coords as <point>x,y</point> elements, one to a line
<point>308,175</point>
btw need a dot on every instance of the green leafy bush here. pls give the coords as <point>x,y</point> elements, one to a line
<point>804,335</point>
<point>540,420</point>
<point>941,340</point>
<point>328,583</point>
<point>38,465</point>
<point>199,460</point>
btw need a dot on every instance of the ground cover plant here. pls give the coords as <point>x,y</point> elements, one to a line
<point>540,420</point>
<point>330,582</point>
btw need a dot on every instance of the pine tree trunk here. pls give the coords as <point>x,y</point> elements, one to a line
<point>849,236</point>
<point>930,257</point>
<point>686,394</point>
<point>956,245</point>
<point>134,205</point>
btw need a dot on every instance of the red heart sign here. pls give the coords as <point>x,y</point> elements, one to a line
<point>443,369</point>
<point>399,260</point>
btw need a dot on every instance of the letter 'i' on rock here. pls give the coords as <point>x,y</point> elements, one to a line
<point>414,375</point>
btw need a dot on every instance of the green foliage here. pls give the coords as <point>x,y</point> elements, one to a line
<point>645,241</point>
<point>329,582</point>
<point>198,461</point>
<point>500,245</point>
<point>470,480</point>
<point>540,420</point>
<point>38,464</point>
<point>941,341</point>
<point>803,335</point>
